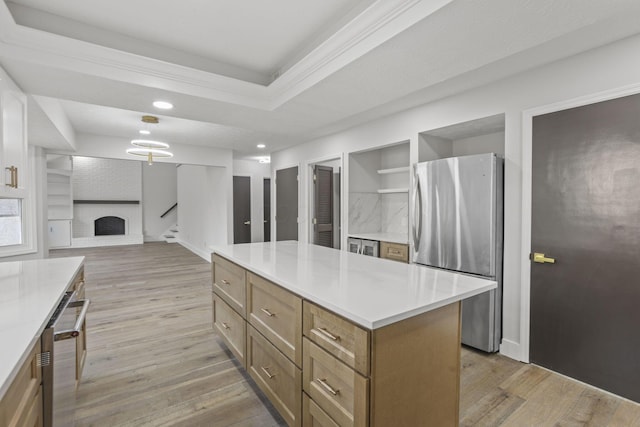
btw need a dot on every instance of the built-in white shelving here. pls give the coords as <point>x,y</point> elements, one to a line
<point>392,190</point>
<point>59,194</point>
<point>393,170</point>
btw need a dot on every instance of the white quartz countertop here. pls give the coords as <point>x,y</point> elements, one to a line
<point>383,237</point>
<point>30,291</point>
<point>371,292</point>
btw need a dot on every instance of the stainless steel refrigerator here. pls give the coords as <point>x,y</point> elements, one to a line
<point>457,225</point>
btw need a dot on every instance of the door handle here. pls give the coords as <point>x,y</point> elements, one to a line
<point>417,216</point>
<point>540,258</point>
<point>247,222</point>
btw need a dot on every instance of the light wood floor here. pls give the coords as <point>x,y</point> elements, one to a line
<point>154,359</point>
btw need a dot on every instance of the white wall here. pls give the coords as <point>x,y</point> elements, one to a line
<point>106,179</point>
<point>115,148</point>
<point>202,208</point>
<point>257,172</point>
<point>490,143</point>
<point>604,69</point>
<point>159,193</point>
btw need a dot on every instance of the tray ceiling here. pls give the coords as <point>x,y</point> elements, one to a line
<point>241,73</point>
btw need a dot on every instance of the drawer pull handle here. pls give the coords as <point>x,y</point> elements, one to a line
<point>323,383</point>
<point>267,312</point>
<point>267,373</point>
<point>328,334</point>
<point>225,282</point>
<point>224,325</point>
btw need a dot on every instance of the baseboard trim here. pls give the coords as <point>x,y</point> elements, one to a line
<point>200,252</point>
<point>513,350</point>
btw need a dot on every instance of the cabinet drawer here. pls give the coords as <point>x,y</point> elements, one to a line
<point>229,282</point>
<point>276,375</point>
<point>313,415</point>
<point>277,314</point>
<point>231,327</point>
<point>17,406</point>
<point>343,339</point>
<point>336,388</point>
<point>394,251</point>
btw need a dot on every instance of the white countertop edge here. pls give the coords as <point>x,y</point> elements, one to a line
<point>376,324</point>
<point>6,382</point>
<point>411,313</point>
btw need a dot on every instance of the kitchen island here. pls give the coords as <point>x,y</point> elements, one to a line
<point>336,338</point>
<point>30,291</point>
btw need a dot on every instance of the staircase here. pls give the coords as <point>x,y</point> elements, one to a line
<point>171,234</point>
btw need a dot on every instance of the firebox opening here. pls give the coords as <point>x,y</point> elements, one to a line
<point>109,226</point>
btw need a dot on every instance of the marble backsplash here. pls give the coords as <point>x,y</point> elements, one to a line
<point>378,213</point>
<point>394,213</point>
<point>364,213</point>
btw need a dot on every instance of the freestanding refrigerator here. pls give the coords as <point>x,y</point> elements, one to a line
<point>457,225</point>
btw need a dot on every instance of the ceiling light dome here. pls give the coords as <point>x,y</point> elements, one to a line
<point>163,105</point>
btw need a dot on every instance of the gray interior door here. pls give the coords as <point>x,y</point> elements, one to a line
<point>287,204</point>
<point>241,209</point>
<point>267,209</point>
<point>585,307</point>
<point>323,206</point>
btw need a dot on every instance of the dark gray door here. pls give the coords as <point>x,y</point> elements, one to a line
<point>241,209</point>
<point>266,192</point>
<point>585,307</point>
<point>323,206</point>
<point>287,204</point>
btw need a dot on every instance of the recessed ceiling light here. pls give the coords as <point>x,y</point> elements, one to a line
<point>163,105</point>
<point>144,132</point>
<point>260,145</point>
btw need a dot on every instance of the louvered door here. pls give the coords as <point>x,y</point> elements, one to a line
<point>323,206</point>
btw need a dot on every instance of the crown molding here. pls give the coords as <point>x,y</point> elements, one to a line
<point>377,24</point>
<point>380,22</point>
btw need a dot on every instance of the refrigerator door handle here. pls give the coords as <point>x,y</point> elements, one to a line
<point>417,211</point>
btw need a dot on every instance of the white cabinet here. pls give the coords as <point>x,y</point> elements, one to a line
<point>59,233</point>
<point>13,139</point>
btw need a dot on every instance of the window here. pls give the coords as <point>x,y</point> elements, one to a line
<point>10,222</point>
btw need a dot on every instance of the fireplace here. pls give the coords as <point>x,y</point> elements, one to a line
<point>109,226</point>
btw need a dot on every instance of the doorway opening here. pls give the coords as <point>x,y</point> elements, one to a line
<point>287,204</point>
<point>324,202</point>
<point>241,209</point>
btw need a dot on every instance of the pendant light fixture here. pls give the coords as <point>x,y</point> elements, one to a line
<point>149,148</point>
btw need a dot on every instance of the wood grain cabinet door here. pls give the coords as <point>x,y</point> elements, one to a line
<point>336,388</point>
<point>230,327</point>
<point>341,338</point>
<point>229,282</point>
<point>277,314</point>
<point>21,405</point>
<point>313,415</point>
<point>276,375</point>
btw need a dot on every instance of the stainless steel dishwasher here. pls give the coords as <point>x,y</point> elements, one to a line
<point>59,371</point>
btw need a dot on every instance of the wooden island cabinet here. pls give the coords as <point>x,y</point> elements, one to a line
<point>21,406</point>
<point>321,365</point>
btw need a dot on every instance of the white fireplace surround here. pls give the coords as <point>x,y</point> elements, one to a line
<point>84,216</point>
